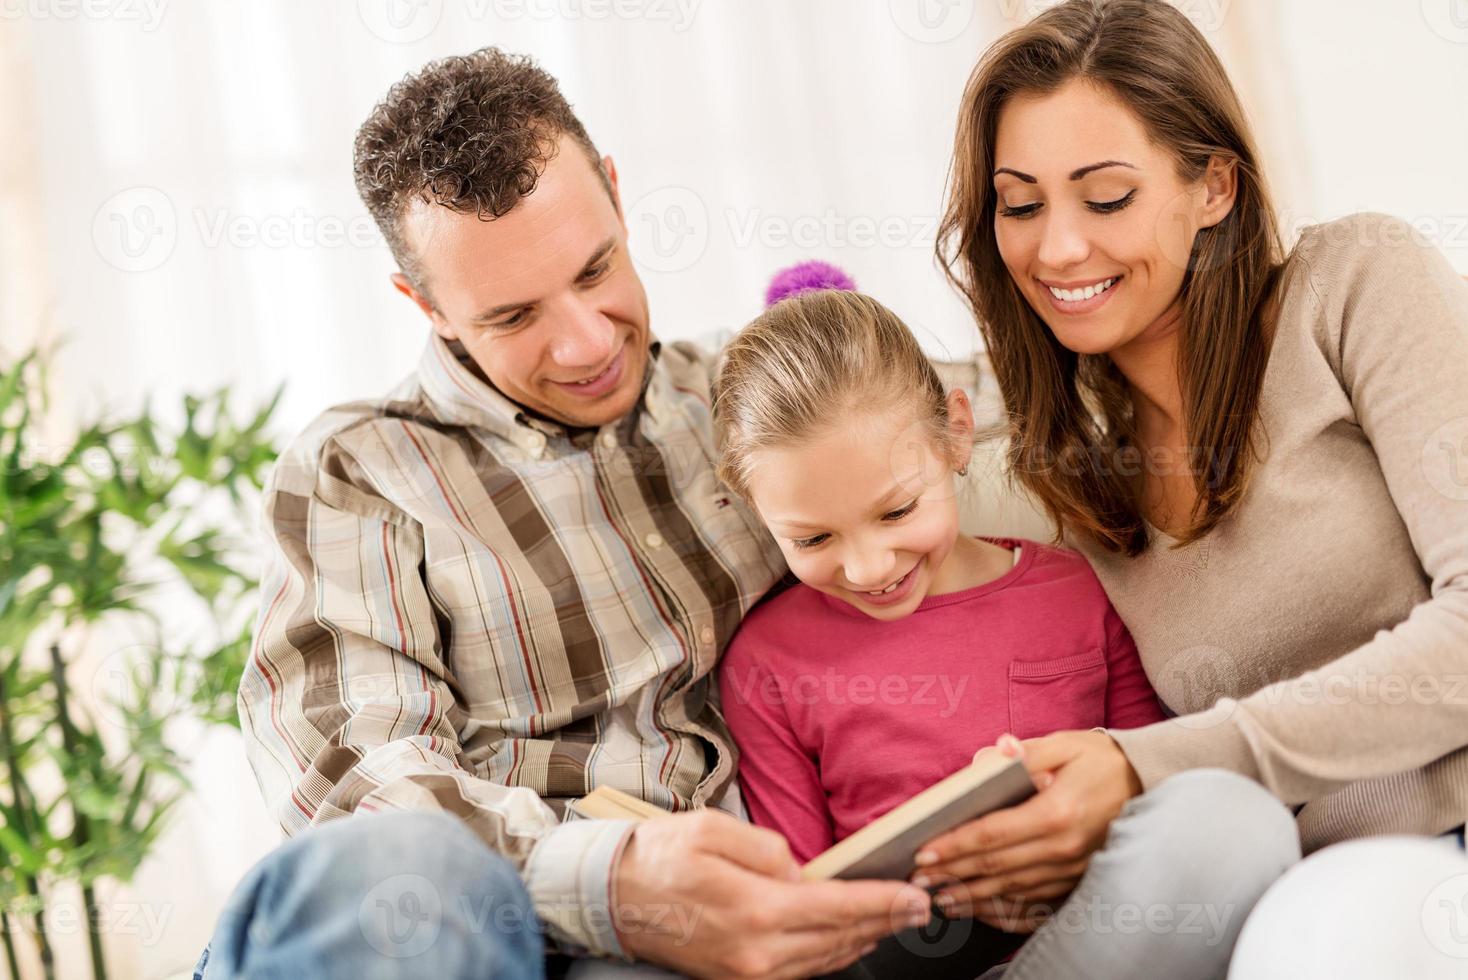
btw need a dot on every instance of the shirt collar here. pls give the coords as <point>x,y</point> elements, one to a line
<point>461,395</point>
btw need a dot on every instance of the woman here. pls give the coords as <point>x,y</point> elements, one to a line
<point>1264,457</point>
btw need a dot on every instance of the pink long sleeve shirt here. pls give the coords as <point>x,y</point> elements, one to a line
<point>840,717</point>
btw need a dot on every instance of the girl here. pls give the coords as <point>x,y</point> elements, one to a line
<point>907,646</point>
<point>1261,453</point>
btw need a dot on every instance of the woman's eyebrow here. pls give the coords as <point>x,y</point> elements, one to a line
<point>1015,173</point>
<point>1076,174</point>
<point>1080,172</point>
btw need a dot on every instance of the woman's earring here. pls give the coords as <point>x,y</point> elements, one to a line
<point>963,471</point>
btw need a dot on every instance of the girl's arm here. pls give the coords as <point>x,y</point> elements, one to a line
<point>1130,700</point>
<point>778,777</point>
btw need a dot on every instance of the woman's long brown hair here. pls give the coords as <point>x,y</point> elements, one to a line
<point>1072,434</point>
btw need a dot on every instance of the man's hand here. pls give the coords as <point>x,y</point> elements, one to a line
<point>1033,854</point>
<point>709,896</point>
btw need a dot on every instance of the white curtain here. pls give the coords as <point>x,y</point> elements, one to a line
<point>176,198</point>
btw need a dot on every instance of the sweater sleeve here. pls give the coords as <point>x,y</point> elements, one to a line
<point>1396,331</point>
<point>1130,700</point>
<point>779,779</point>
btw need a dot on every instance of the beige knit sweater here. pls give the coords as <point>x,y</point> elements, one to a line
<point>1317,640</point>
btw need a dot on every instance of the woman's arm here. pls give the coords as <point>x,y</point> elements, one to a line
<point>1400,345</point>
<point>1396,332</point>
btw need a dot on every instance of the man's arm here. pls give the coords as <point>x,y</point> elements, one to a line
<point>347,703</point>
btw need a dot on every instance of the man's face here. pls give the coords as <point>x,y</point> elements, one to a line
<point>544,299</point>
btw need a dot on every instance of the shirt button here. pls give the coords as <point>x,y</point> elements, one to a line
<point>535,441</point>
<point>706,635</point>
<point>654,540</point>
<point>609,440</point>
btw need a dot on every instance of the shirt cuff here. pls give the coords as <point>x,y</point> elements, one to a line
<point>1208,739</point>
<point>569,877</point>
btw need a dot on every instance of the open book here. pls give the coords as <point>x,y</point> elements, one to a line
<point>885,847</point>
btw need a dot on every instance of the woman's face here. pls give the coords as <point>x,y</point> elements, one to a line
<point>1092,219</point>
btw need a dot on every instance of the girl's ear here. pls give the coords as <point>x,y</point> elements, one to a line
<point>960,429</point>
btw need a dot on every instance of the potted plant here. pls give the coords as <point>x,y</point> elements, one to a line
<point>94,533</point>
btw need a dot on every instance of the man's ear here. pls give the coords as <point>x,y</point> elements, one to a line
<point>609,167</point>
<point>441,326</point>
<point>1221,183</point>
<point>960,429</point>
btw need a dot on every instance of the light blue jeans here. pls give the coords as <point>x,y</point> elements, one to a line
<point>418,895</point>
<point>377,896</point>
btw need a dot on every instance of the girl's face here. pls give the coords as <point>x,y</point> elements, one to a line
<point>865,510</point>
<point>1093,221</point>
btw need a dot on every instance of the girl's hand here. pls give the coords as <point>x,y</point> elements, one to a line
<point>1037,851</point>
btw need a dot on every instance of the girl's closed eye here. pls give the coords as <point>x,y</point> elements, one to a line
<point>811,542</point>
<point>901,512</point>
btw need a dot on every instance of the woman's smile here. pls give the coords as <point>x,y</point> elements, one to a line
<point>1079,296</point>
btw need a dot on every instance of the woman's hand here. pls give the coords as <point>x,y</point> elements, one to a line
<point>1036,852</point>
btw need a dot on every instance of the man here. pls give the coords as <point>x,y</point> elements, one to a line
<point>505,585</point>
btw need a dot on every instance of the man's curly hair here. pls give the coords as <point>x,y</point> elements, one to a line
<point>472,133</point>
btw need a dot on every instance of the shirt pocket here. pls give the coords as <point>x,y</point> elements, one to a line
<point>1051,695</point>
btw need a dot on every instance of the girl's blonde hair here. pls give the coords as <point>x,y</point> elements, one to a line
<point>809,363</point>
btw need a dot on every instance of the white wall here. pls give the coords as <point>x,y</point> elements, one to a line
<point>766,130</point>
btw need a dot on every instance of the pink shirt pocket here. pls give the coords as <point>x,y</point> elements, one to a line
<point>1050,695</point>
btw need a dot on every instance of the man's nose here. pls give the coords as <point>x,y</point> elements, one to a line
<point>584,336</point>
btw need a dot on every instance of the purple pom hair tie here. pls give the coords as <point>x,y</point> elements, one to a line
<point>804,277</point>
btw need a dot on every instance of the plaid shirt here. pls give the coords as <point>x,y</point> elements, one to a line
<point>473,610</point>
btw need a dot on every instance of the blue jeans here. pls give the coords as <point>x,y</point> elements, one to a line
<point>380,895</point>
